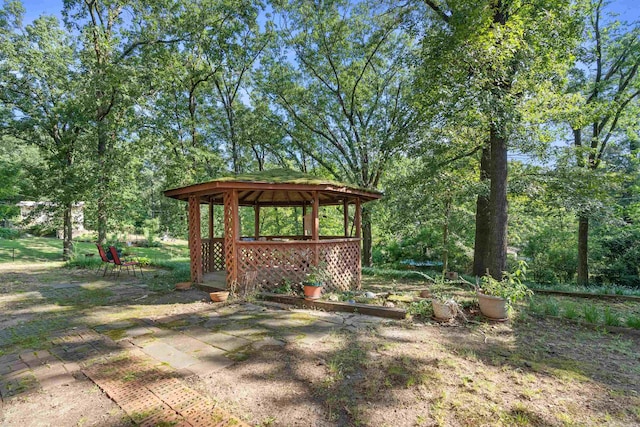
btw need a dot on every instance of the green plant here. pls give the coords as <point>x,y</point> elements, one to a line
<point>611,317</point>
<point>633,322</point>
<point>420,308</point>
<point>510,287</point>
<point>591,313</point>
<point>284,288</point>
<point>317,275</point>
<point>570,310</point>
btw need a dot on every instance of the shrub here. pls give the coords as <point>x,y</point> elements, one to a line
<point>10,233</point>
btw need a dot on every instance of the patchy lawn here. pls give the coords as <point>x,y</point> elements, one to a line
<point>268,365</point>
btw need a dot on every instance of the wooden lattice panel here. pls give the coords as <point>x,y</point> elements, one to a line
<point>229,237</point>
<point>206,255</point>
<point>213,255</point>
<point>217,255</point>
<point>274,262</point>
<point>195,247</point>
<point>342,260</point>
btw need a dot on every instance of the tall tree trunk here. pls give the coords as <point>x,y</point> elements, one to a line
<point>445,236</point>
<point>367,259</point>
<point>498,203</point>
<point>103,182</point>
<point>583,250</point>
<point>67,233</point>
<point>483,219</point>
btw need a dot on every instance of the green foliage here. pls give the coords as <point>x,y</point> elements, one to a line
<point>9,233</point>
<point>420,308</point>
<point>591,313</point>
<point>317,275</point>
<point>510,287</point>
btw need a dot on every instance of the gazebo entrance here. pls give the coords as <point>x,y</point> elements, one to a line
<point>269,260</point>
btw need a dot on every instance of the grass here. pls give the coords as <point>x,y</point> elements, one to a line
<point>591,289</point>
<point>395,274</point>
<point>592,311</point>
<point>38,249</point>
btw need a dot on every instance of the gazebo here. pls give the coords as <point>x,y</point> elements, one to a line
<point>271,259</point>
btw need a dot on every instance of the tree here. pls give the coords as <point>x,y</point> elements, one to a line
<point>39,85</point>
<point>340,85</point>
<point>608,86</point>
<point>489,58</point>
<point>115,77</point>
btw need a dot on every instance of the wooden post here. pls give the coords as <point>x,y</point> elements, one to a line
<point>231,232</point>
<point>211,234</point>
<point>195,240</point>
<point>358,219</point>
<point>304,212</point>
<point>345,207</point>
<point>256,215</point>
<point>315,227</point>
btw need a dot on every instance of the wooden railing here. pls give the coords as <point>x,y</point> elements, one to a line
<point>212,255</point>
<point>272,262</point>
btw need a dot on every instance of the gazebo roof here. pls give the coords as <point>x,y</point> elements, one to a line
<point>276,187</point>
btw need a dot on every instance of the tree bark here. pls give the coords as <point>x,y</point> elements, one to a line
<point>498,203</point>
<point>481,246</point>
<point>103,182</point>
<point>367,259</point>
<point>67,233</point>
<point>583,250</point>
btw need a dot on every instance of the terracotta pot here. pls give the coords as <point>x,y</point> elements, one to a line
<point>183,286</point>
<point>492,307</point>
<point>452,275</point>
<point>425,293</point>
<point>219,296</point>
<point>441,311</point>
<point>312,292</point>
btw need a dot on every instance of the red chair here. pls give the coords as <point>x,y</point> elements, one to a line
<point>107,262</point>
<point>119,263</point>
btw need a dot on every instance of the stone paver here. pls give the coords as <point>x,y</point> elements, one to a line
<point>165,353</point>
<point>217,339</point>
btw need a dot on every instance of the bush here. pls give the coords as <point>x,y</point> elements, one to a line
<point>41,230</point>
<point>10,233</point>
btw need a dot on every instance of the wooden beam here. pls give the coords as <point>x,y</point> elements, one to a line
<point>370,310</point>
<point>315,227</point>
<point>195,240</point>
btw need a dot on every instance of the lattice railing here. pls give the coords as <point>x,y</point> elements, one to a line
<point>271,262</point>
<point>213,255</point>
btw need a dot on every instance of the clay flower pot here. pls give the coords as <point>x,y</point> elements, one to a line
<point>493,307</point>
<point>425,293</point>
<point>183,286</point>
<point>312,292</point>
<point>441,310</point>
<point>219,296</point>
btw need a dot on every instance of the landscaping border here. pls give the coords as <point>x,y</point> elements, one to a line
<point>368,309</point>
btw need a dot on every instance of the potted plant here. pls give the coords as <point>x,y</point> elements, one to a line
<point>314,281</point>
<point>444,308</point>
<point>497,296</point>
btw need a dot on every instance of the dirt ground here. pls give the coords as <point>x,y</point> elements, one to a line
<point>306,368</point>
